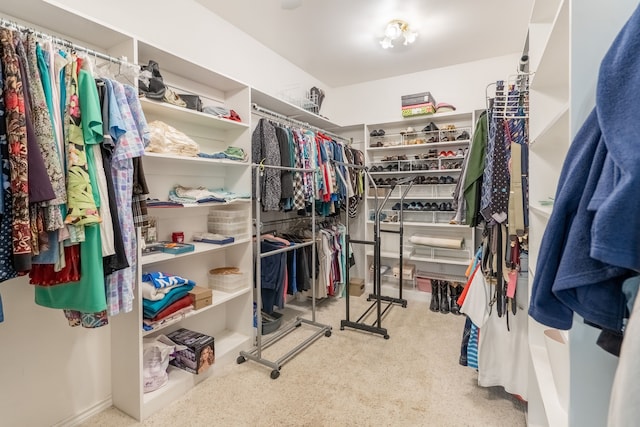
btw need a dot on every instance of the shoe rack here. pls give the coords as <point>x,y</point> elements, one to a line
<point>430,149</point>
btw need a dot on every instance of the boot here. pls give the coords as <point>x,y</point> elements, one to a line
<point>455,291</point>
<point>435,296</point>
<point>444,297</point>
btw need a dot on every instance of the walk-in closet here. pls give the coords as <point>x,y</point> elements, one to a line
<point>305,213</point>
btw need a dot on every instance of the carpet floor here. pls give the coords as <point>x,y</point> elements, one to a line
<point>352,378</point>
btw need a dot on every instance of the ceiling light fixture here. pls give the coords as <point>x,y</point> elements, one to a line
<point>396,29</point>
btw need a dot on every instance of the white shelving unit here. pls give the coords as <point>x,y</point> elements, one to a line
<point>403,152</point>
<point>565,56</point>
<point>229,318</point>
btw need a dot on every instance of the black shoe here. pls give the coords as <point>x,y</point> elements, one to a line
<point>444,297</point>
<point>455,290</point>
<point>431,127</point>
<point>435,296</point>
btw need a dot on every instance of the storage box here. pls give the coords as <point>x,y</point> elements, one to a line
<point>417,98</point>
<point>418,110</point>
<point>356,286</point>
<point>200,352</point>
<point>408,271</point>
<point>423,284</point>
<point>227,279</point>
<point>176,248</point>
<point>200,297</point>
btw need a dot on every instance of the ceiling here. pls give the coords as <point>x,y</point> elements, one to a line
<point>338,41</point>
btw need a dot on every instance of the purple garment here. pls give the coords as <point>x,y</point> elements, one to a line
<point>40,188</point>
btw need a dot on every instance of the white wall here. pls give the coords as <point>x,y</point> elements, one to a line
<point>187,28</point>
<point>379,101</point>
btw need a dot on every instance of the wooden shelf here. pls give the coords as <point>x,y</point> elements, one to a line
<point>556,415</point>
<point>181,381</point>
<point>175,157</point>
<point>424,224</point>
<point>285,108</point>
<point>421,146</point>
<point>202,205</point>
<point>182,115</point>
<point>200,248</point>
<point>545,211</point>
<point>218,299</point>
<point>556,129</point>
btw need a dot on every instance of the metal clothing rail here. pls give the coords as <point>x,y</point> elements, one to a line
<point>376,296</point>
<point>265,112</point>
<point>62,42</point>
<point>256,353</point>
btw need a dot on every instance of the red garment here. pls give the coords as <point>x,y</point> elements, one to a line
<point>44,274</point>
<point>463,295</point>
<point>183,302</point>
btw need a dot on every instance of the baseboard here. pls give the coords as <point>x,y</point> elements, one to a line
<point>77,419</point>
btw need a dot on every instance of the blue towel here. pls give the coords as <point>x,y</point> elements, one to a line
<point>616,226</point>
<point>592,238</point>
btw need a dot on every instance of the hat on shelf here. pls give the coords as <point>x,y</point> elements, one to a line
<point>443,107</point>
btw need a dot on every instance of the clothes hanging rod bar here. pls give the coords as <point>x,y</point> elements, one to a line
<point>61,42</point>
<point>263,166</point>
<point>284,220</point>
<point>265,111</point>
<point>349,165</point>
<point>287,249</point>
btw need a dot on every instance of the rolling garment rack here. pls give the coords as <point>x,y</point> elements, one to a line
<point>376,296</point>
<point>256,353</point>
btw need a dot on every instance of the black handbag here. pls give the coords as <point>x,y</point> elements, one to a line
<point>193,101</point>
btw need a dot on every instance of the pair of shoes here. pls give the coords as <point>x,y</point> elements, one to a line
<point>463,136</point>
<point>454,293</point>
<point>430,206</point>
<point>435,296</point>
<point>406,167</point>
<point>446,154</point>
<point>377,144</point>
<point>375,168</point>
<point>379,132</point>
<point>396,207</point>
<point>431,127</point>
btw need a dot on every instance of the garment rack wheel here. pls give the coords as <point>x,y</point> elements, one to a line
<point>240,360</point>
<point>386,337</point>
<point>328,333</point>
<point>275,374</point>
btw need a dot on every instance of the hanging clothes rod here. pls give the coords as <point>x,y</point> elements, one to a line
<point>61,42</point>
<point>265,112</point>
<point>285,220</point>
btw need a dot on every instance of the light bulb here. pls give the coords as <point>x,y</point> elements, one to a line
<point>386,43</point>
<point>393,31</point>
<point>410,37</point>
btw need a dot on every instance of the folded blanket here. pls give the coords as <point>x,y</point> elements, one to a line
<point>152,293</point>
<point>150,309</point>
<point>162,280</point>
<point>449,243</point>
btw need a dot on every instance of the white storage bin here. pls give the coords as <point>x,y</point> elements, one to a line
<point>222,280</point>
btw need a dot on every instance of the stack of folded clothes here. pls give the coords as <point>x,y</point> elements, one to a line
<point>165,297</point>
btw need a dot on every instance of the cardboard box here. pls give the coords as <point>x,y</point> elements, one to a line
<point>200,352</point>
<point>417,98</point>
<point>408,271</point>
<point>418,110</point>
<point>200,297</point>
<point>356,286</point>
